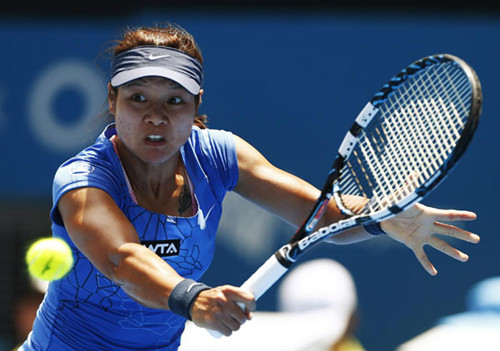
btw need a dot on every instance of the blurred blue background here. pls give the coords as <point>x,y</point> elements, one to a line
<point>290,81</point>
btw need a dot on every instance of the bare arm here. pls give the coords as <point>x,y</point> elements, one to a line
<point>284,194</point>
<point>292,198</point>
<point>107,238</point>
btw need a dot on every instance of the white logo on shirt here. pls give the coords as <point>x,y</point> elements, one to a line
<point>202,220</point>
<point>81,168</point>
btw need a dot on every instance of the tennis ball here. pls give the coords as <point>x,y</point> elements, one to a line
<point>49,259</point>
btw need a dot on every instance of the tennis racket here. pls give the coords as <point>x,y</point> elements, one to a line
<point>400,147</point>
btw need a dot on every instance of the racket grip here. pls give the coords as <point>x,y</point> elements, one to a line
<point>265,277</point>
<point>259,282</point>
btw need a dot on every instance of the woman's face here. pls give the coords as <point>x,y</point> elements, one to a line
<point>153,116</point>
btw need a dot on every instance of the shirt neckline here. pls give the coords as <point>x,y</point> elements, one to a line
<point>194,200</point>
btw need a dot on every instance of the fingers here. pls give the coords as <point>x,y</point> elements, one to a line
<point>447,249</point>
<point>454,215</point>
<point>424,261</point>
<point>443,247</point>
<point>225,325</point>
<point>239,308</point>
<point>417,226</point>
<point>242,298</point>
<point>455,232</point>
<point>219,309</point>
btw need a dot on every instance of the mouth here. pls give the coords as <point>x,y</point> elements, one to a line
<point>155,139</point>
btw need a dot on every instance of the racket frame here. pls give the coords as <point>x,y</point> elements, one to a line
<point>304,238</point>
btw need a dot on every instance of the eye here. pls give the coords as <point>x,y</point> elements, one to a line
<point>175,100</point>
<point>138,98</point>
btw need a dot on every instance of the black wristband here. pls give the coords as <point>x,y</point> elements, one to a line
<point>184,294</point>
<point>374,229</point>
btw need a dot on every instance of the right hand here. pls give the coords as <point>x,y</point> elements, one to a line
<point>218,308</point>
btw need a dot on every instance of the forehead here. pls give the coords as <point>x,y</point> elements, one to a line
<point>154,81</point>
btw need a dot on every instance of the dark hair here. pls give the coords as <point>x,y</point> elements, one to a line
<point>170,35</point>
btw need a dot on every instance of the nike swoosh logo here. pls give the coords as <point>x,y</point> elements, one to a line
<point>202,220</point>
<point>208,214</point>
<point>152,57</point>
<point>192,286</point>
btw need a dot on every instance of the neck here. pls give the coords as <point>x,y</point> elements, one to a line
<point>161,188</point>
<point>143,174</point>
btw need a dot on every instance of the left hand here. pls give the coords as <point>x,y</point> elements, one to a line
<point>416,227</point>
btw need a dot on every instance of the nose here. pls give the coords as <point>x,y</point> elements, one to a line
<point>156,115</point>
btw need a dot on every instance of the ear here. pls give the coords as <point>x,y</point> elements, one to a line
<point>201,94</point>
<point>111,99</point>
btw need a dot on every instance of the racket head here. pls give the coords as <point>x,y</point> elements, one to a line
<point>407,138</point>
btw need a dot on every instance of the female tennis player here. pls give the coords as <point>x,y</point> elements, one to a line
<point>140,209</point>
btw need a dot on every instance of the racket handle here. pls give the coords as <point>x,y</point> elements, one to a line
<point>259,282</point>
<point>265,277</point>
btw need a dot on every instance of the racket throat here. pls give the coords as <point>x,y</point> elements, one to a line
<point>286,256</point>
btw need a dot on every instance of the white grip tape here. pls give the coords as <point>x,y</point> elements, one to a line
<point>264,277</point>
<point>260,282</point>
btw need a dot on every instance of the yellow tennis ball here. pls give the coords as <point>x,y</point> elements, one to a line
<point>49,259</point>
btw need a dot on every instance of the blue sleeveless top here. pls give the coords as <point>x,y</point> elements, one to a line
<point>87,311</point>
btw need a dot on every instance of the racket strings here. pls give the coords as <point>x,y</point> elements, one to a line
<point>419,126</point>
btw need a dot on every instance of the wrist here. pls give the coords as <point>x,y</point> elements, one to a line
<point>183,296</point>
<point>374,229</point>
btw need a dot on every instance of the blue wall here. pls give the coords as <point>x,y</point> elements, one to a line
<point>291,84</point>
